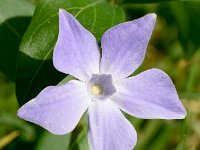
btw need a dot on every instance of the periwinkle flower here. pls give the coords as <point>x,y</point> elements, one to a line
<point>104,88</point>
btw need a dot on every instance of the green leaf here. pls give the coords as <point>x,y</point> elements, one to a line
<point>13,8</point>
<point>96,16</point>
<point>186,14</point>
<point>49,141</point>
<point>35,70</point>
<point>152,1</point>
<point>79,140</point>
<point>66,79</point>
<point>11,32</point>
<point>82,140</point>
<point>13,22</point>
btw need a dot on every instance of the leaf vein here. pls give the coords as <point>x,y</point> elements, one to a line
<point>95,19</point>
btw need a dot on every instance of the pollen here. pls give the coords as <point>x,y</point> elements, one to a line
<point>96,89</point>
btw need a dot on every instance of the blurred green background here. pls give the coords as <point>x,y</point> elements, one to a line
<point>174,48</point>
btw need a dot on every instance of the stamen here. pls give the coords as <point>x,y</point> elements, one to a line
<point>96,89</point>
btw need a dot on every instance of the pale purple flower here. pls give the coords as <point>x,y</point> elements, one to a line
<point>104,88</point>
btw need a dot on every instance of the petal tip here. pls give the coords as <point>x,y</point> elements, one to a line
<point>183,114</point>
<point>153,15</point>
<point>61,10</point>
<point>20,113</point>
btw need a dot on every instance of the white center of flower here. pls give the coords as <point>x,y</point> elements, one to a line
<point>96,89</point>
<point>100,86</point>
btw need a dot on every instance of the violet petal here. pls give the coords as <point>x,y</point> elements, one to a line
<point>108,128</point>
<point>150,94</point>
<point>57,108</point>
<point>124,46</point>
<point>76,51</point>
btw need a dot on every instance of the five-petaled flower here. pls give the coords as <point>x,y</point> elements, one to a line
<point>103,88</point>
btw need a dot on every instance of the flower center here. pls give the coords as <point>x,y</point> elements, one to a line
<point>96,89</point>
<point>100,86</point>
